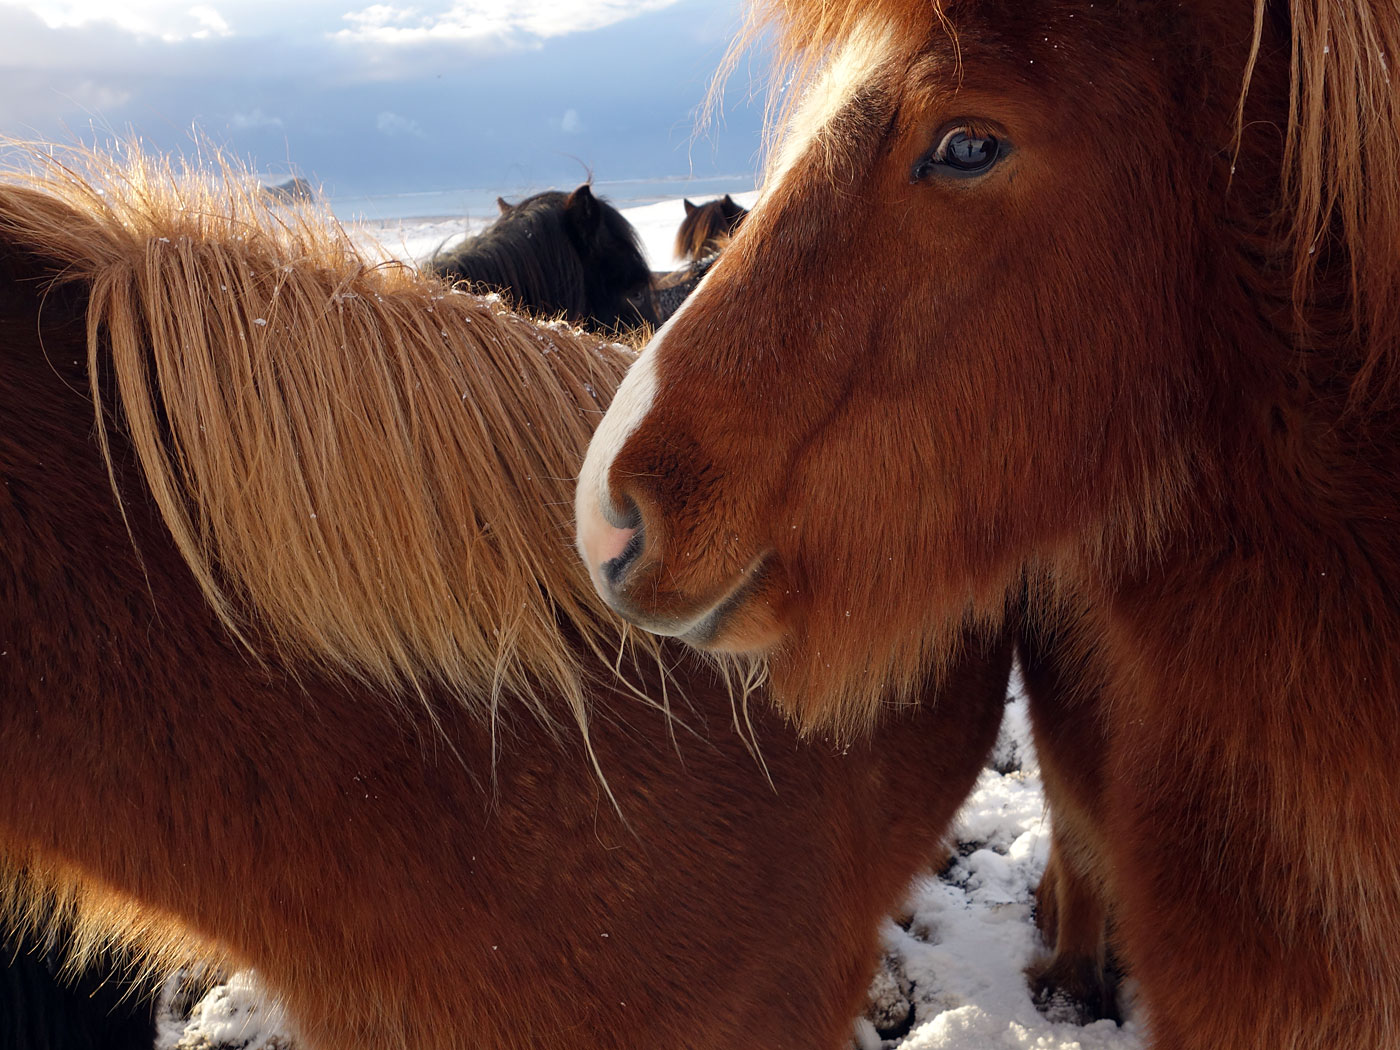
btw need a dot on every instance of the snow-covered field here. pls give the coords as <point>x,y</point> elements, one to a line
<point>953,962</point>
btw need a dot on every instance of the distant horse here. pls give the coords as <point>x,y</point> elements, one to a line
<point>1104,297</point>
<point>559,254</point>
<point>298,669</point>
<point>707,227</point>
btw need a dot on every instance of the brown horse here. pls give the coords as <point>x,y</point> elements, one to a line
<point>1105,296</point>
<point>707,227</point>
<point>298,669</point>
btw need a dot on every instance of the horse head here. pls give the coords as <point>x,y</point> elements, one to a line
<point>1013,267</point>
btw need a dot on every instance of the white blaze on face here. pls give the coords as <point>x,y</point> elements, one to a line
<point>599,541</point>
<point>867,49</point>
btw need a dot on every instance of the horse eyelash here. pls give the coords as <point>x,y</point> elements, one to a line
<point>973,126</point>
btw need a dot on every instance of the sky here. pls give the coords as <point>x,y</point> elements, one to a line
<point>390,97</point>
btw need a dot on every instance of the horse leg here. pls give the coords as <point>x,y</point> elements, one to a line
<point>1072,900</point>
<point>1078,976</point>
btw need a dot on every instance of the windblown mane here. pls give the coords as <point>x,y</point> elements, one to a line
<point>1339,207</point>
<point>363,470</point>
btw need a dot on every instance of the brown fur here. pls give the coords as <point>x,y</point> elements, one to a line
<point>1151,357</point>
<point>328,747</point>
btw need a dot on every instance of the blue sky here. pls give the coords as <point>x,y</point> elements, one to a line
<point>389,97</point>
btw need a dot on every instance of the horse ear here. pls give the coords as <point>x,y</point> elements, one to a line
<point>690,209</point>
<point>728,200</point>
<point>584,210</point>
<point>503,205</point>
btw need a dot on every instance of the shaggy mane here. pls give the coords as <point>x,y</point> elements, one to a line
<point>365,471</point>
<point>1340,166</point>
<point>1341,169</point>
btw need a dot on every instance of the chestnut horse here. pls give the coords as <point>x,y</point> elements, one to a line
<point>298,669</point>
<point>1106,297</point>
<point>707,227</point>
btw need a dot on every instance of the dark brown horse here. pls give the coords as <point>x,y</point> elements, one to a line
<point>559,254</point>
<point>298,669</point>
<point>707,227</point>
<point>1105,296</point>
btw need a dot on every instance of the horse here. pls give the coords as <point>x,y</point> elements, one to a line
<point>559,254</point>
<point>707,227</point>
<point>299,672</point>
<point>1098,304</point>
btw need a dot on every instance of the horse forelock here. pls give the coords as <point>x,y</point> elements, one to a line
<point>365,472</point>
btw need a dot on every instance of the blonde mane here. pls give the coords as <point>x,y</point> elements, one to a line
<point>1341,169</point>
<point>365,471</point>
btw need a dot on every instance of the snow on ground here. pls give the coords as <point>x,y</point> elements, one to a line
<point>970,931</point>
<point>956,959</point>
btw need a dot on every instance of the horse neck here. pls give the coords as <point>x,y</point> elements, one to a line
<point>1275,584</point>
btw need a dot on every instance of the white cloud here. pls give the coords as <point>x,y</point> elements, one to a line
<point>213,23</point>
<point>570,124</point>
<point>393,125</point>
<point>255,118</point>
<point>169,20</point>
<point>93,97</point>
<point>480,21</point>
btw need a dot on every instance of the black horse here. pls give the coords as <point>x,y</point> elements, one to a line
<point>569,254</point>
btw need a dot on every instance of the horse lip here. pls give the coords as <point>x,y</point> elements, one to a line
<point>704,630</point>
<point>668,627</point>
<point>699,630</point>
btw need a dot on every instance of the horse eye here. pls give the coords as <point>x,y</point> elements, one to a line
<point>961,153</point>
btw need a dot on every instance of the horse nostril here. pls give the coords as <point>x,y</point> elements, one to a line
<point>629,517</point>
<point>614,569</point>
<point>627,539</point>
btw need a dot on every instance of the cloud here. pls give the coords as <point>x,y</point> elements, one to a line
<point>393,125</point>
<point>481,21</point>
<point>370,119</point>
<point>168,20</point>
<point>96,97</point>
<point>212,23</point>
<point>255,118</point>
